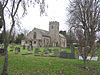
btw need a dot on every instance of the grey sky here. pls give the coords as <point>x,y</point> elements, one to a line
<point>56,12</point>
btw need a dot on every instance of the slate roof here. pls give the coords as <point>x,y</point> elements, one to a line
<point>43,32</point>
<point>61,35</point>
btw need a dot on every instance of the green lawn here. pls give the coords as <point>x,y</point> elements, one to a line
<point>36,65</point>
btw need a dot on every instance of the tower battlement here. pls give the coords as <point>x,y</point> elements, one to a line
<point>53,22</point>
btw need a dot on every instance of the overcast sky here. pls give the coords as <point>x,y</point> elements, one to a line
<point>56,12</point>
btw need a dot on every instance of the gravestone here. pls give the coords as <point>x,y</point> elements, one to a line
<point>12,47</point>
<point>94,58</point>
<point>63,54</point>
<point>37,52</point>
<point>17,50</point>
<point>46,52</point>
<point>30,49</point>
<point>71,55</point>
<point>1,50</point>
<point>49,50</point>
<point>23,46</point>
<point>56,52</point>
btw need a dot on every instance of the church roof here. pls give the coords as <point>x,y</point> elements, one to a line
<point>43,32</point>
<point>61,35</point>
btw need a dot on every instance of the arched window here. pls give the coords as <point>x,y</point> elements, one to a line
<point>34,36</point>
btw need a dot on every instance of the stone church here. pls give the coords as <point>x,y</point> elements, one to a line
<point>42,38</point>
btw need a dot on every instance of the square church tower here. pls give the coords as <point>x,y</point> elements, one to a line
<point>54,33</point>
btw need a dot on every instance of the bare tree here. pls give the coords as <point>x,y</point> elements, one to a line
<point>9,9</point>
<point>1,15</point>
<point>85,18</point>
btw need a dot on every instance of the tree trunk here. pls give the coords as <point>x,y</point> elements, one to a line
<point>5,66</point>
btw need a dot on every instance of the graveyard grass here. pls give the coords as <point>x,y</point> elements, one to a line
<point>38,65</point>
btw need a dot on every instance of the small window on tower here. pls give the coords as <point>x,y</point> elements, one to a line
<point>52,27</point>
<point>34,42</point>
<point>34,36</point>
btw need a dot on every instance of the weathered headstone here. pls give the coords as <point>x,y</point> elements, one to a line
<point>30,48</point>
<point>56,52</point>
<point>23,46</point>
<point>17,50</point>
<point>46,52</point>
<point>63,54</point>
<point>11,48</point>
<point>71,56</point>
<point>1,50</point>
<point>37,52</point>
